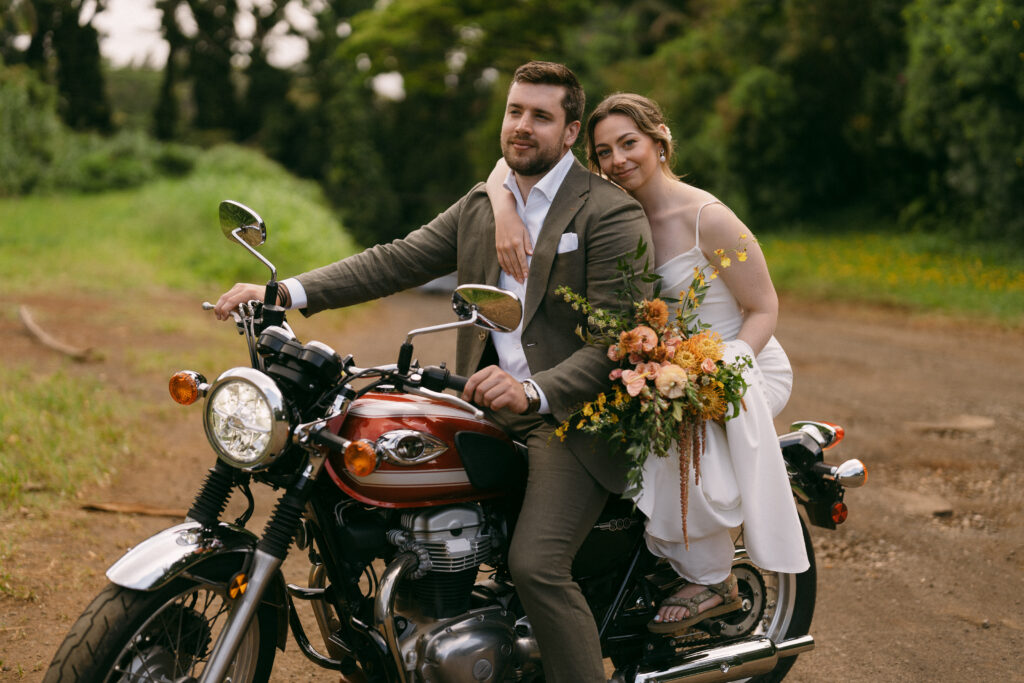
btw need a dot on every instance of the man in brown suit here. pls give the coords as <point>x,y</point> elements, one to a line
<point>532,378</point>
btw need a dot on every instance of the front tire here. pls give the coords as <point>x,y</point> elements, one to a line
<point>160,636</point>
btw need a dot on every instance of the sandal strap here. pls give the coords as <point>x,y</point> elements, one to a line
<point>724,588</point>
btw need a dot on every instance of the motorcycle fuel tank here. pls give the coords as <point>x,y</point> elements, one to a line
<point>479,460</point>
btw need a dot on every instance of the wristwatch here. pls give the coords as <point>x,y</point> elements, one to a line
<point>532,397</point>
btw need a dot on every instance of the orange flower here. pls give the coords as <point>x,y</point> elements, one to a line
<point>656,313</point>
<point>712,402</point>
<point>629,342</point>
<point>706,345</point>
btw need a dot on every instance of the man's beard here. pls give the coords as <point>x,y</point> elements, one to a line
<point>536,162</point>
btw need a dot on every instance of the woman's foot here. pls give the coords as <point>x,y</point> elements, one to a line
<point>694,603</point>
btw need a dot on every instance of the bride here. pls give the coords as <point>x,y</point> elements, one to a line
<point>743,477</point>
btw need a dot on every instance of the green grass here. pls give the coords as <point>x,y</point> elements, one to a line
<point>57,431</point>
<point>167,232</point>
<point>921,272</point>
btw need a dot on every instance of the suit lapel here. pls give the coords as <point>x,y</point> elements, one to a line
<point>568,201</point>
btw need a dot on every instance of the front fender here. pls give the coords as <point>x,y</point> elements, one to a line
<point>160,558</point>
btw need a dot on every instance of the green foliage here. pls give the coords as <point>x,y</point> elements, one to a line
<point>30,132</point>
<point>965,112</point>
<point>37,154</point>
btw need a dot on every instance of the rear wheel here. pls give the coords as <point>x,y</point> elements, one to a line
<point>783,604</point>
<point>161,636</point>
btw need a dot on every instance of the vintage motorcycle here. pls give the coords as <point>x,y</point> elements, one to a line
<point>404,498</point>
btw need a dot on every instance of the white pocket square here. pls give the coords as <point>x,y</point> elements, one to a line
<point>569,241</point>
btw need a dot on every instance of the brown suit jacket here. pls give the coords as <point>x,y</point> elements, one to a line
<point>608,223</point>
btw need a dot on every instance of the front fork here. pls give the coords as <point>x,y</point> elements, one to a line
<point>266,562</point>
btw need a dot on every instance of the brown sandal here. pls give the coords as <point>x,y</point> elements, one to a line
<point>692,605</point>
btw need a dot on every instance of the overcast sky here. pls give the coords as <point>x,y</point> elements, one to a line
<point>130,33</point>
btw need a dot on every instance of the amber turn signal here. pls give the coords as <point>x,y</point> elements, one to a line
<point>839,512</point>
<point>186,387</point>
<point>840,433</point>
<point>360,458</point>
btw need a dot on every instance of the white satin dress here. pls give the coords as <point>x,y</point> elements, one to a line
<point>743,476</point>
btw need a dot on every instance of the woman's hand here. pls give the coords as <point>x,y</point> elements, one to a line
<point>511,238</point>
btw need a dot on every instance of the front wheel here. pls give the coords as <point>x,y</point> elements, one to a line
<point>161,636</point>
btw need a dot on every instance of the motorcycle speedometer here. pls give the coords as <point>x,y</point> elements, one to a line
<point>246,419</point>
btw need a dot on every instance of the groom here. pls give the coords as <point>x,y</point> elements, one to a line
<point>532,378</point>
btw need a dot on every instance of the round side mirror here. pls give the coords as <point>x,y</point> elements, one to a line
<point>496,309</point>
<point>240,223</point>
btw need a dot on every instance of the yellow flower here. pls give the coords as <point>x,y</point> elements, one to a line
<point>561,430</point>
<point>588,409</point>
<point>686,358</point>
<point>726,261</point>
<point>714,274</point>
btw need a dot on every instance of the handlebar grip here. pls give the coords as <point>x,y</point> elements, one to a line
<point>326,438</point>
<point>457,382</point>
<point>439,379</point>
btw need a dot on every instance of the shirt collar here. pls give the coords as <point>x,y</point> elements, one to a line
<point>549,184</point>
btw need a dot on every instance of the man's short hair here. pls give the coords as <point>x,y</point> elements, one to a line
<point>551,73</point>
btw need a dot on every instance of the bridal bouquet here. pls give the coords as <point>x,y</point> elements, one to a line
<point>671,377</point>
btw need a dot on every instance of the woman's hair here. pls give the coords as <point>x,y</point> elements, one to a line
<point>647,116</point>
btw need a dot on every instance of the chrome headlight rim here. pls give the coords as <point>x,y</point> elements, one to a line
<point>280,423</point>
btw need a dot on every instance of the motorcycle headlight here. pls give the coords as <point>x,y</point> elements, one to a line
<point>246,420</point>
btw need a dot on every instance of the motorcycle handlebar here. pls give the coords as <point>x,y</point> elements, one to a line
<point>439,379</point>
<point>326,438</point>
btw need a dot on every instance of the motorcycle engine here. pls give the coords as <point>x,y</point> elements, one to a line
<point>457,542</point>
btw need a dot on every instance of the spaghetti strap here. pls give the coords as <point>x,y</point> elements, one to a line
<point>697,226</point>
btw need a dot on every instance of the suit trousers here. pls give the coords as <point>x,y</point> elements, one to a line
<point>561,506</point>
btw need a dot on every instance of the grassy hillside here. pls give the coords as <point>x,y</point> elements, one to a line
<point>63,423</point>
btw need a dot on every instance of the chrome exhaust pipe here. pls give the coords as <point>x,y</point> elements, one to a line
<point>730,662</point>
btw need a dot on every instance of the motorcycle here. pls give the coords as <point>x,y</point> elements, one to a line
<point>404,498</point>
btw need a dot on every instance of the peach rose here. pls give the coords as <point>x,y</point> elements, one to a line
<point>671,381</point>
<point>708,366</point>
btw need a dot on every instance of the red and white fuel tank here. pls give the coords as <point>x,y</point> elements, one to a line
<point>429,453</point>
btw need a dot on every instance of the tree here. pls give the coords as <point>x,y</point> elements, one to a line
<point>964,112</point>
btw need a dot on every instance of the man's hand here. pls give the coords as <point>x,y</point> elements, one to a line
<point>494,388</point>
<point>239,294</point>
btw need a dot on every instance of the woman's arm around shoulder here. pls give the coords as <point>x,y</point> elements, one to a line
<point>510,235</point>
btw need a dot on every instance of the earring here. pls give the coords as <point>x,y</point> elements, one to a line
<point>661,157</point>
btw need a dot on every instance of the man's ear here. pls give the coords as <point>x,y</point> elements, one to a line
<point>572,131</point>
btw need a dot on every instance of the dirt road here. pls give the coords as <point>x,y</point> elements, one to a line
<point>925,582</point>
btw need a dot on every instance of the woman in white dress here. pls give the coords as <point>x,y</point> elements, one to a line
<point>743,476</point>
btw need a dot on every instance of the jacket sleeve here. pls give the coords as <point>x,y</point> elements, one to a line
<point>584,374</point>
<point>417,258</point>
